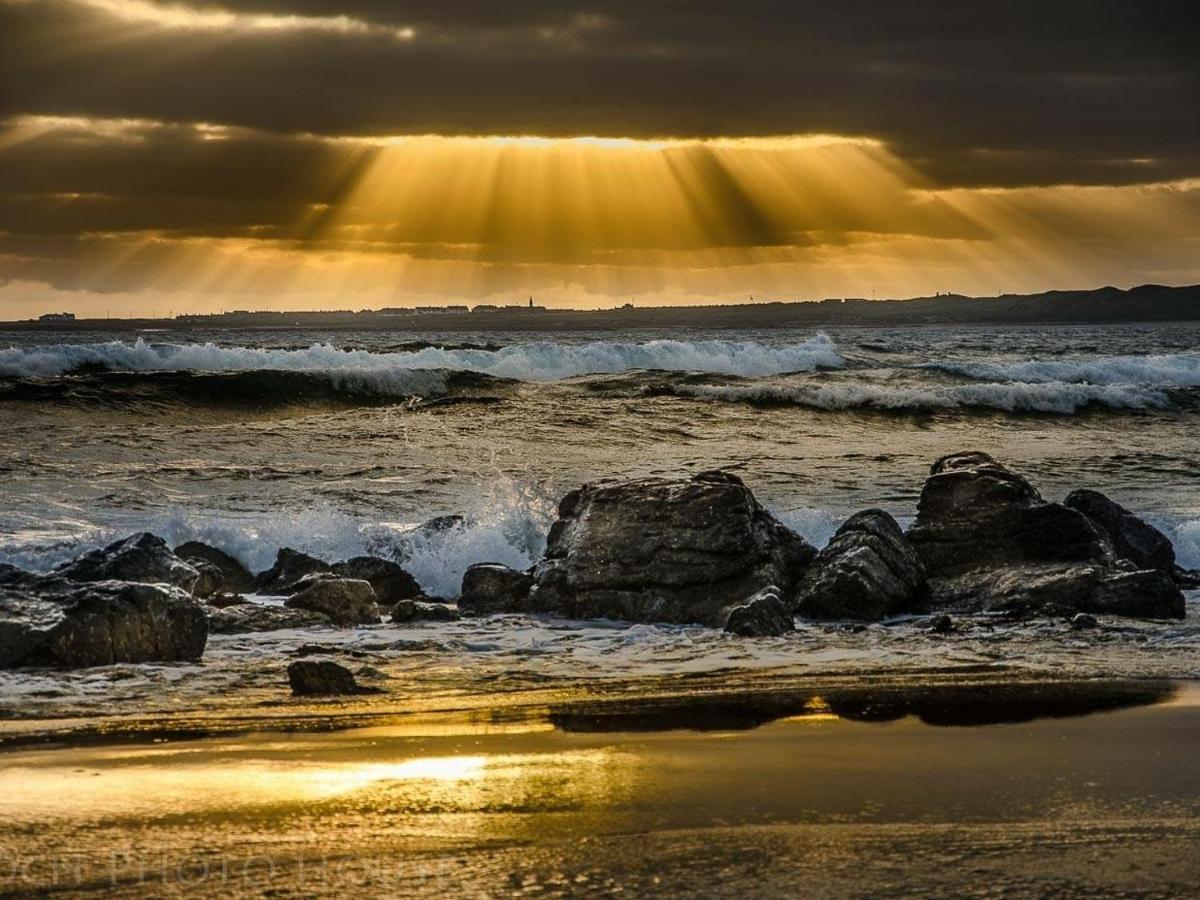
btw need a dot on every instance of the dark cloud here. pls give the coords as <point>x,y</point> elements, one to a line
<point>984,93</point>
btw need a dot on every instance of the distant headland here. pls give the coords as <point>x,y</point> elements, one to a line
<point>1145,303</point>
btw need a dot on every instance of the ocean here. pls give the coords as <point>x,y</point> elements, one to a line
<point>340,444</point>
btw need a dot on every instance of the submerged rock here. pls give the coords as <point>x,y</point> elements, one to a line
<point>235,578</point>
<point>415,611</point>
<point>244,618</point>
<point>347,601</point>
<point>142,557</point>
<point>868,571</point>
<point>664,550</point>
<point>763,615</point>
<point>989,542</point>
<point>1127,537</point>
<point>489,588</point>
<point>1082,621</point>
<point>322,678</point>
<point>290,566</point>
<point>70,625</point>
<point>390,580</point>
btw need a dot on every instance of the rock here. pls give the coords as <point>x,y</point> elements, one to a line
<point>489,588</point>
<point>224,600</point>
<point>974,512</point>
<point>71,625</point>
<point>414,611</point>
<point>390,581</point>
<point>941,624</point>
<point>763,615</point>
<point>244,618</point>
<point>989,542</point>
<point>142,557</point>
<point>235,578</point>
<point>290,566</point>
<point>1126,536</point>
<point>322,678</point>
<point>664,550</point>
<point>347,601</point>
<point>1080,621</point>
<point>868,571</point>
<point>210,580</point>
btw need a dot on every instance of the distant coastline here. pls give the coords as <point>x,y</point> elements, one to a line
<point>1145,303</point>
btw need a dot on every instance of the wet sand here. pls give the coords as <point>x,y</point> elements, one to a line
<point>1067,790</point>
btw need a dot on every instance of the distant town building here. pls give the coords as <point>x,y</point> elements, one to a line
<point>57,317</point>
<point>441,310</point>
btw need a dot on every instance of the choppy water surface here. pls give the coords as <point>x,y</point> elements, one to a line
<point>256,440</point>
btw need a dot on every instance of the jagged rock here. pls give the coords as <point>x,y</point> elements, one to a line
<point>1127,536</point>
<point>322,678</point>
<point>664,550</point>
<point>225,600</point>
<point>415,611</point>
<point>989,542</point>
<point>243,618</point>
<point>347,601</point>
<point>390,581</point>
<point>763,615</point>
<point>489,588</point>
<point>209,581</point>
<point>235,578</point>
<point>868,571</point>
<point>290,566</point>
<point>72,625</point>
<point>142,557</point>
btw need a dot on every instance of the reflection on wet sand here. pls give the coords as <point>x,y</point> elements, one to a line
<point>826,792</point>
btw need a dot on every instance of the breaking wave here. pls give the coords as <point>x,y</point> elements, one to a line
<point>1057,398</point>
<point>538,361</point>
<point>1180,370</point>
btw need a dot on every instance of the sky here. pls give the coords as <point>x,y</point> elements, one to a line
<point>162,158</point>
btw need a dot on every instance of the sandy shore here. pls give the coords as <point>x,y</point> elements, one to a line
<point>1070,790</point>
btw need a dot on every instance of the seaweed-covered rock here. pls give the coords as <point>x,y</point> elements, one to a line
<point>73,625</point>
<point>323,678</point>
<point>347,601</point>
<point>243,618</point>
<point>416,611</point>
<point>390,580</point>
<point>664,550</point>
<point>234,577</point>
<point>867,571</point>
<point>494,588</point>
<point>290,566</point>
<point>141,557</point>
<point>763,615</point>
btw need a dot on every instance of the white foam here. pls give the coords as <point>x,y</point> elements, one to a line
<point>1164,370</point>
<point>538,361</point>
<point>1060,398</point>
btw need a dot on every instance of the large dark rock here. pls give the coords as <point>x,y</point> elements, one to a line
<point>415,611</point>
<point>72,625</point>
<point>390,581</point>
<point>763,615</point>
<point>141,557</point>
<point>322,678</point>
<point>347,601</point>
<point>235,578</point>
<point>975,512</point>
<point>243,618</point>
<point>290,566</point>
<point>664,550</point>
<point>989,542</point>
<point>1126,536</point>
<point>868,571</point>
<point>489,588</point>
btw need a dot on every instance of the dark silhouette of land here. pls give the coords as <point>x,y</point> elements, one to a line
<point>1145,303</point>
